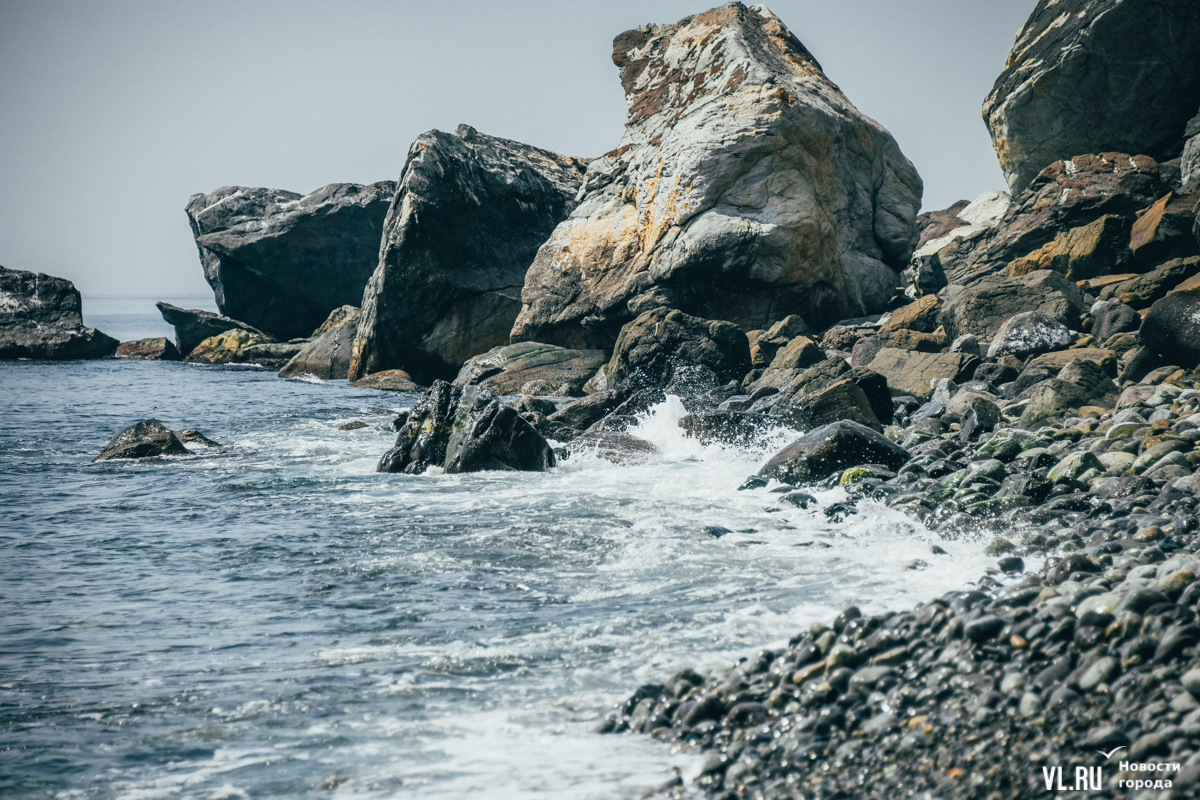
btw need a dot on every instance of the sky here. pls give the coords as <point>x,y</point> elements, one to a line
<point>116,111</point>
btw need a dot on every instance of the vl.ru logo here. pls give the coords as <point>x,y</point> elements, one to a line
<point>1087,779</point>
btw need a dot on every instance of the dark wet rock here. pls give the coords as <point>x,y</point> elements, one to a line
<point>841,400</point>
<point>982,308</point>
<point>1065,88</point>
<point>281,261</point>
<point>465,431</point>
<point>650,348</point>
<point>469,215</point>
<point>193,436</point>
<point>146,439</point>
<point>532,368</point>
<point>192,326</point>
<point>354,425</point>
<point>829,450</point>
<point>153,349</point>
<point>1172,328</point>
<point>1113,318</point>
<point>614,446</point>
<point>328,355</point>
<point>737,428</point>
<point>42,317</point>
<point>681,212</point>
<point>391,380</point>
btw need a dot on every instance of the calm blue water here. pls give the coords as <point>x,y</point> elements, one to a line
<point>278,618</point>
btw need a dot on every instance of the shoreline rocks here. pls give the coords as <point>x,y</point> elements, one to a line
<point>41,317</point>
<point>193,326</point>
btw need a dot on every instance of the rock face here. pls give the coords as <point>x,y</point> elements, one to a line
<point>281,261</point>
<point>1087,76</point>
<point>469,214</point>
<point>746,187</point>
<point>651,347</point>
<point>192,326</point>
<point>532,368</point>
<point>465,431</point>
<point>146,439</point>
<point>41,317</point>
<point>328,355</point>
<point>153,349</point>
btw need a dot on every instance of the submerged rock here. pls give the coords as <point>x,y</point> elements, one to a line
<point>532,368</point>
<point>42,317</point>
<point>469,215</point>
<point>282,261</point>
<point>746,188</point>
<point>1086,76</point>
<point>154,349</point>
<point>146,439</point>
<point>465,431</point>
<point>192,326</point>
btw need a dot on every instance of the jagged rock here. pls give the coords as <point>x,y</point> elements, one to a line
<point>650,348</point>
<point>42,317</point>
<point>1112,318</point>
<point>940,237</point>
<point>1091,75</point>
<point>1144,290</point>
<point>532,368</point>
<point>982,307</point>
<point>281,261</point>
<point>1098,248</point>
<point>769,342</point>
<point>919,315</point>
<point>192,326</point>
<point>790,401</point>
<point>614,446</point>
<point>1164,230</point>
<point>1080,383</point>
<point>1028,334</point>
<point>746,187</point>
<point>153,349</point>
<point>911,373</point>
<point>800,354</point>
<point>390,380</point>
<point>469,215</point>
<point>842,400</point>
<point>830,449</point>
<point>1172,328</point>
<point>226,347</point>
<point>328,355</point>
<point>146,439</point>
<point>465,431</point>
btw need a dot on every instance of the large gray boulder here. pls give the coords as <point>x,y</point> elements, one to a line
<point>42,317</point>
<point>746,187</point>
<point>532,368</point>
<point>1088,76</point>
<point>469,215</point>
<point>281,261</point>
<point>193,326</point>
<point>328,355</point>
<point>465,431</point>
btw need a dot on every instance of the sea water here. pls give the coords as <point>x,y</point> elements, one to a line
<point>274,618</point>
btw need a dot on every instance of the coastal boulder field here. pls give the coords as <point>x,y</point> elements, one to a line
<point>280,261</point>
<point>42,317</point>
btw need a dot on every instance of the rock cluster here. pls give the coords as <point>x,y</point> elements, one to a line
<point>42,317</point>
<point>151,439</point>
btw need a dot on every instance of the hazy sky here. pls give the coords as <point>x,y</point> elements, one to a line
<point>116,112</point>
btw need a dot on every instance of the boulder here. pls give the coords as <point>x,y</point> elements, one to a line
<point>469,215</point>
<point>226,347</point>
<point>153,349</point>
<point>532,368</point>
<point>912,373</point>
<point>1080,383</point>
<point>841,400</point>
<point>737,428</point>
<point>389,380</point>
<point>800,354</point>
<point>328,355</point>
<point>192,326</point>
<point>919,315</point>
<point>614,446</point>
<point>982,307</point>
<point>1163,231</point>
<point>650,348</point>
<point>746,187</point>
<point>1172,328</point>
<point>1029,333</point>
<point>281,261</point>
<point>793,400</point>
<point>146,439</point>
<point>1092,75</point>
<point>465,431</point>
<point>1113,318</point>
<point>829,450</point>
<point>42,317</point>
<point>769,342</point>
